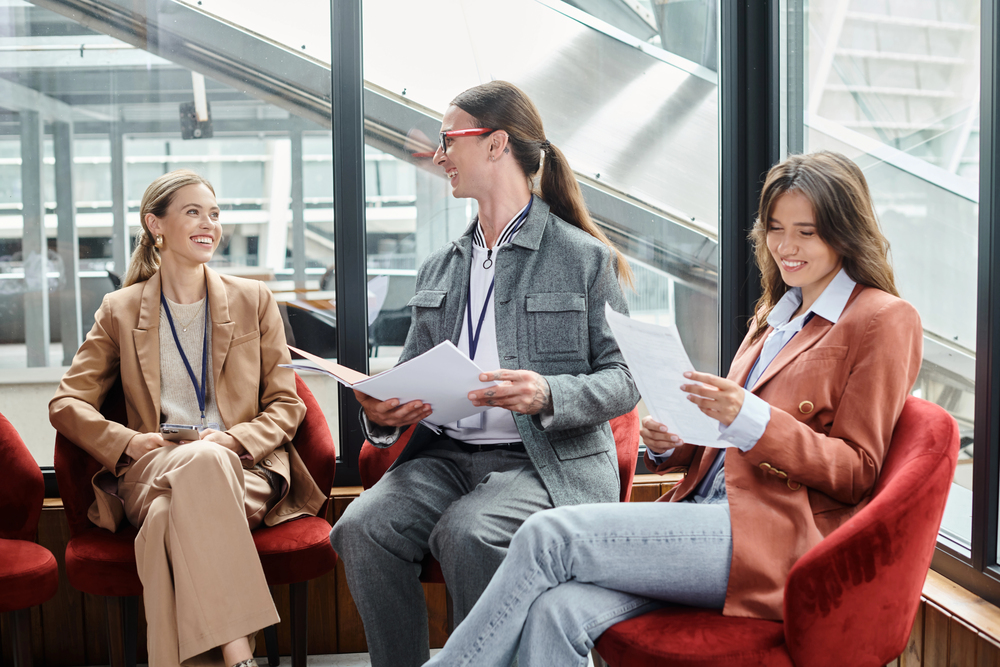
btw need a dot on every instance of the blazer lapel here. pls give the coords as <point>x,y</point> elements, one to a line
<point>463,246</point>
<point>811,333</point>
<point>743,363</point>
<point>222,336</point>
<point>146,337</point>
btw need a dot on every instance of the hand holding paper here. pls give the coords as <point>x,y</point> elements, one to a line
<point>655,355</point>
<point>393,412</point>
<point>440,379</point>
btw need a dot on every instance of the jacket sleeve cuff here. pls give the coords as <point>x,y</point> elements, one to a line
<point>380,436</point>
<point>750,423</point>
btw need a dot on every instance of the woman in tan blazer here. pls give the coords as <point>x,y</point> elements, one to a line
<point>807,412</point>
<point>191,347</point>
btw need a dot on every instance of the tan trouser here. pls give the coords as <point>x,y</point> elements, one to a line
<point>203,585</point>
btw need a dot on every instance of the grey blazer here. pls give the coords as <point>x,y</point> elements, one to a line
<point>552,282</point>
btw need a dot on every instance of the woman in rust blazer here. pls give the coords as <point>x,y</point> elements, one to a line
<point>807,412</point>
<point>191,347</point>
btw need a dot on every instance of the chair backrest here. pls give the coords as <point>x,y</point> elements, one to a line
<point>75,467</point>
<point>374,461</point>
<point>23,489</point>
<point>626,432</point>
<point>314,443</point>
<point>852,599</point>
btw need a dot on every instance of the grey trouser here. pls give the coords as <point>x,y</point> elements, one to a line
<point>461,508</point>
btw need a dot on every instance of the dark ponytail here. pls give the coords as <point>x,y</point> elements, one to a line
<point>503,106</point>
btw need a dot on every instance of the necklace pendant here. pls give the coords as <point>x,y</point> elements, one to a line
<point>183,329</point>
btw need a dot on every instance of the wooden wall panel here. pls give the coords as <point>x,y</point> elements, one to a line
<point>645,493</point>
<point>913,654</point>
<point>62,619</point>
<point>437,613</point>
<point>962,644</point>
<point>988,652</point>
<point>937,624</point>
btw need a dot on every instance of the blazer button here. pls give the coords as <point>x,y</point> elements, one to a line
<point>267,462</point>
<point>805,407</point>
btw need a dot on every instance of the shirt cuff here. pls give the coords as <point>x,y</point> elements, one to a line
<point>658,459</point>
<point>750,423</point>
<point>380,435</point>
<point>546,417</point>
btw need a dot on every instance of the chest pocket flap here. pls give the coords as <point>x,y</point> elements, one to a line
<point>428,299</point>
<point>555,302</point>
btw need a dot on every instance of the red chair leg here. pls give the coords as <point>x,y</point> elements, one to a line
<point>123,626</point>
<point>299,594</point>
<point>21,632</point>
<point>271,643</point>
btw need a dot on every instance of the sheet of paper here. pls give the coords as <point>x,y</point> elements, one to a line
<point>442,376</point>
<point>346,376</point>
<point>658,361</point>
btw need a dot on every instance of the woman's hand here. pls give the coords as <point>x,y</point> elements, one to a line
<point>525,392</point>
<point>142,444</point>
<point>719,398</point>
<point>658,437</point>
<point>391,413</point>
<point>222,438</point>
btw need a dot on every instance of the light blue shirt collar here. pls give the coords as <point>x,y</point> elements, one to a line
<point>830,304</point>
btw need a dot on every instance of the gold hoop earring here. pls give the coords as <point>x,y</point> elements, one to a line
<point>158,241</point>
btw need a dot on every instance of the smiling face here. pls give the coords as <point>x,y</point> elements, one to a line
<point>465,162</point>
<point>190,228</point>
<point>803,258</point>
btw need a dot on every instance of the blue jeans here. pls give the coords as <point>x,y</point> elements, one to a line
<point>573,572</point>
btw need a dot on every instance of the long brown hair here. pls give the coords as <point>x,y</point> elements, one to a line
<point>845,221</point>
<point>159,195</point>
<point>503,106</point>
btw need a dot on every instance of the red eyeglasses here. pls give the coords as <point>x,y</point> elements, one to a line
<point>471,132</point>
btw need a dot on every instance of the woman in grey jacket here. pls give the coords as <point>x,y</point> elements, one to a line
<point>522,292</point>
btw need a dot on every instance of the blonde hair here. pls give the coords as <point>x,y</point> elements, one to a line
<point>845,221</point>
<point>503,106</point>
<point>159,195</point>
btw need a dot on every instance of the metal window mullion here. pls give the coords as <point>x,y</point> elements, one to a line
<point>987,406</point>
<point>748,145</point>
<point>350,254</point>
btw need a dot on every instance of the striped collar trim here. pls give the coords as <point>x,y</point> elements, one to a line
<point>506,236</point>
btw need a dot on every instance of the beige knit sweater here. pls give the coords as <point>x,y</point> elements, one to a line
<point>178,401</point>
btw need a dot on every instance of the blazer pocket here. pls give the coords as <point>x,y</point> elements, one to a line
<point>557,326</point>
<point>834,352</point>
<point>428,299</point>
<point>575,443</point>
<point>245,338</point>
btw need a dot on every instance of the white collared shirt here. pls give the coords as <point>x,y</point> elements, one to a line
<point>499,425</point>
<point>755,413</point>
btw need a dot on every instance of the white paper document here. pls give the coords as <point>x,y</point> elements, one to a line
<point>442,376</point>
<point>656,357</point>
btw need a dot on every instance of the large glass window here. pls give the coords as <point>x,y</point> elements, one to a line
<point>895,86</point>
<point>638,124</point>
<point>88,120</point>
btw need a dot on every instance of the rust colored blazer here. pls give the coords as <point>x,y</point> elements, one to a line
<point>256,398</point>
<point>835,393</point>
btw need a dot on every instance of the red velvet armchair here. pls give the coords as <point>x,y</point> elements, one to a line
<point>851,600</point>
<point>103,563</point>
<point>374,461</point>
<point>28,572</point>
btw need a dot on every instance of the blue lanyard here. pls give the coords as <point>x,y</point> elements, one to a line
<point>474,333</point>
<point>199,390</point>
